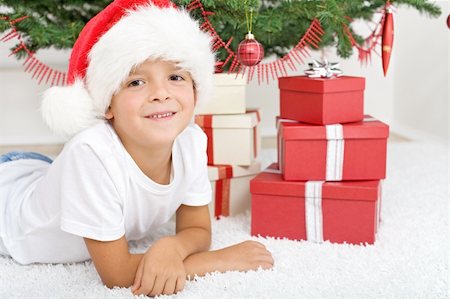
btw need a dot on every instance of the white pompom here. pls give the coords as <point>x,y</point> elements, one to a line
<point>68,110</point>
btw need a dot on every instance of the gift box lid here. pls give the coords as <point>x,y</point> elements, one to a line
<point>270,182</point>
<point>225,79</point>
<point>245,120</point>
<point>368,128</point>
<point>321,85</point>
<point>219,172</point>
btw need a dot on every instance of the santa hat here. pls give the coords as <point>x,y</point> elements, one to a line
<point>122,36</point>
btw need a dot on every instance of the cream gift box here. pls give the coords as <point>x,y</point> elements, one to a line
<point>233,139</point>
<point>231,188</point>
<point>228,96</point>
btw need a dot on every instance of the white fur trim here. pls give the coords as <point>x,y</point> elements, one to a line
<point>149,32</point>
<point>68,110</point>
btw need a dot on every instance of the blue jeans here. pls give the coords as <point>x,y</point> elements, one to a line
<point>13,156</point>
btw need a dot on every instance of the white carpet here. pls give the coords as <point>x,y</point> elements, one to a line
<point>409,259</point>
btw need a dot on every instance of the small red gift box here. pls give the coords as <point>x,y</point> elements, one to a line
<point>322,100</point>
<point>352,151</point>
<point>315,210</point>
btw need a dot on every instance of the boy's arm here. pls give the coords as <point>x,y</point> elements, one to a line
<point>193,230</point>
<point>161,270</point>
<point>193,240</point>
<point>117,266</point>
<point>113,261</point>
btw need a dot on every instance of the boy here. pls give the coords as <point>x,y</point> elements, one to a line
<point>136,72</point>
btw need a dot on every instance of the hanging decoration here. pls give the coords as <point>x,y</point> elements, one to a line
<point>382,34</point>
<point>33,65</point>
<point>275,69</point>
<point>250,52</point>
<point>387,38</point>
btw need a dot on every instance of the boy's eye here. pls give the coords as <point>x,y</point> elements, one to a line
<point>135,83</point>
<point>176,78</point>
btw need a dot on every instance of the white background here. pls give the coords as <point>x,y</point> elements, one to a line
<point>412,98</point>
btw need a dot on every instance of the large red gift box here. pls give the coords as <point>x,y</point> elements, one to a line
<point>322,100</point>
<point>352,151</point>
<point>315,210</point>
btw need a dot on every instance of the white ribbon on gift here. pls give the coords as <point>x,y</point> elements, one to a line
<point>335,152</point>
<point>313,208</point>
<point>313,211</point>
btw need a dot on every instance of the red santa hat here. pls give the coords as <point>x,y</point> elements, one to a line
<point>122,36</point>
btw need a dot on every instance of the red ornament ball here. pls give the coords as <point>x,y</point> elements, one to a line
<point>250,52</point>
<point>448,21</point>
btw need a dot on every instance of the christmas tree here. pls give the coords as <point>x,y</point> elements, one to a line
<point>277,24</point>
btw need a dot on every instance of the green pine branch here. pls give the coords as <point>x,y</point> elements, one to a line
<point>277,24</point>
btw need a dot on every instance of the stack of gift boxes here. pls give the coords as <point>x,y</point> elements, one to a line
<point>331,160</point>
<point>233,144</point>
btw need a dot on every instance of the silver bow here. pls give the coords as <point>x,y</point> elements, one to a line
<point>324,69</point>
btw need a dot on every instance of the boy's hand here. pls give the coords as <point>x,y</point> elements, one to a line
<point>161,270</point>
<point>248,255</point>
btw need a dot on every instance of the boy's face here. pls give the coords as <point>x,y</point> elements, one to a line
<point>154,104</point>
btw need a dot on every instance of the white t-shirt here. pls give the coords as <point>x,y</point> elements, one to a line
<point>93,189</point>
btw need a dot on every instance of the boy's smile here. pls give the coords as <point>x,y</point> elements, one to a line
<point>161,115</point>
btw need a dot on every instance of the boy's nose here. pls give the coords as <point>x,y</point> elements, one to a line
<point>159,93</point>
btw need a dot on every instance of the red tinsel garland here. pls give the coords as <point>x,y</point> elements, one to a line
<point>297,55</point>
<point>32,64</point>
<point>370,43</point>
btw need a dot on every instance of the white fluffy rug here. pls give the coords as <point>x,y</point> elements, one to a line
<point>409,259</point>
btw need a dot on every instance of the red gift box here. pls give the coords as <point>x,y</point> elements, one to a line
<point>322,100</point>
<point>352,151</point>
<point>315,210</point>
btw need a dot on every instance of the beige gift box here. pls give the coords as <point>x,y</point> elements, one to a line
<point>228,96</point>
<point>231,188</point>
<point>233,139</point>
